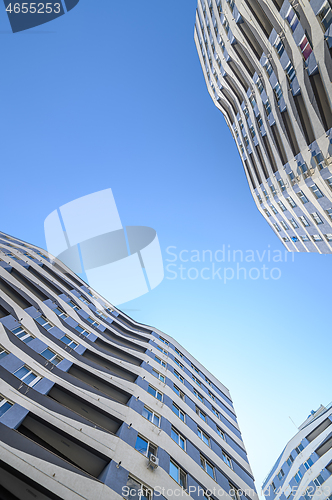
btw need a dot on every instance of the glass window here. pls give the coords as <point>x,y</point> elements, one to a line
<point>274,210</point>
<point>329,182</point>
<point>158,375</point>
<point>161,349</point>
<point>328,237</point>
<point>196,380</point>
<point>290,460</point>
<point>141,445</point>
<point>60,312</point>
<point>317,192</point>
<point>204,437</point>
<point>304,220</point>
<point>284,225</point>
<point>176,436</point>
<point>299,448</point>
<point>267,212</point>
<point>282,206</point>
<point>178,376</point>
<point>207,466</point>
<point>22,334</point>
<point>145,447</point>
<point>82,330</point>
<point>27,376</point>
<point>316,218</point>
<point>226,459</point>
<point>51,356</point>
<point>277,227</point>
<point>178,352</point>
<point>92,321</point>
<point>178,363</point>
<point>325,16</point>
<point>212,396</point>
<point>329,212</point>
<point>44,322</point>
<point>305,238</point>
<point>73,305</point>
<point>151,415</point>
<point>136,491</point>
<point>155,393</point>
<point>178,392</point>
<point>69,342</point>
<point>233,492</point>
<point>4,405</point>
<point>164,340</point>
<point>220,433</point>
<point>216,412</point>
<point>178,412</point>
<point>162,363</point>
<point>178,474</point>
<point>309,463</point>
<point>308,494</point>
<point>281,184</point>
<point>201,414</point>
<point>81,298</point>
<point>298,476</point>
<point>319,480</point>
<point>316,237</point>
<point>302,197</point>
<point>280,474</point>
<point>291,201</point>
<point>199,396</point>
<point>293,222</point>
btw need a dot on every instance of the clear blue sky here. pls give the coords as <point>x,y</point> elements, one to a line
<point>112,95</point>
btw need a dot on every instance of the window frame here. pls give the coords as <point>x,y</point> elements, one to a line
<point>206,463</point>
<point>24,337</point>
<point>30,371</point>
<point>70,343</point>
<point>56,355</point>
<point>47,322</point>
<point>203,437</point>
<point>157,393</point>
<point>199,412</point>
<point>154,414</point>
<point>149,443</point>
<point>159,375</point>
<point>184,483</point>
<point>180,438</point>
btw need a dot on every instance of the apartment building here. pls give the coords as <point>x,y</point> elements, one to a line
<point>304,468</point>
<point>95,405</point>
<point>268,68</point>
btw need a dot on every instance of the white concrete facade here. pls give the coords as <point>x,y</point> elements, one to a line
<point>84,388</point>
<point>304,468</point>
<point>268,68</point>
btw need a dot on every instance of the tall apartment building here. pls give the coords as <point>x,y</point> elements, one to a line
<point>304,468</point>
<point>267,66</point>
<point>94,405</point>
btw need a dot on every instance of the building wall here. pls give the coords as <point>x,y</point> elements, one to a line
<point>76,375</point>
<point>304,468</point>
<point>267,66</point>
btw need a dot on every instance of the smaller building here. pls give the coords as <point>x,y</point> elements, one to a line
<point>304,468</point>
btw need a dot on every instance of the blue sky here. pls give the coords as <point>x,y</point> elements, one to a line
<point>112,95</point>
